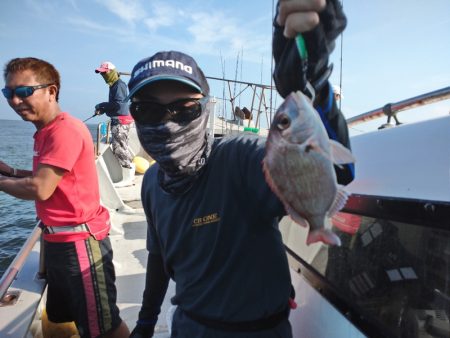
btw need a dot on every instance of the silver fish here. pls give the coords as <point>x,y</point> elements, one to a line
<point>298,167</point>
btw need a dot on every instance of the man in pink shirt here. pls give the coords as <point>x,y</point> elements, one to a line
<point>64,185</point>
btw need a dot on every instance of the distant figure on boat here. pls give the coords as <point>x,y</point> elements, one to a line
<point>117,109</point>
<point>64,185</point>
<point>337,93</point>
<point>247,113</point>
<point>243,114</point>
<point>239,113</point>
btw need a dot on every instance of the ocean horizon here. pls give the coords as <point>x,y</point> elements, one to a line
<point>17,217</point>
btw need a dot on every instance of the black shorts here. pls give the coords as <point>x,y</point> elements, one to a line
<point>81,288</point>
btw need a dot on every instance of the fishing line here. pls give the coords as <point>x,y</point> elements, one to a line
<point>271,67</point>
<point>340,70</point>
<point>356,129</point>
<point>235,78</point>
<point>240,86</point>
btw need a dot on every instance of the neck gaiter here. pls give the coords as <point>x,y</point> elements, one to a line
<point>181,150</point>
<point>110,77</point>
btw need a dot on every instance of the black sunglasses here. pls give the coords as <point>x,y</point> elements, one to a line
<point>184,110</point>
<point>22,91</point>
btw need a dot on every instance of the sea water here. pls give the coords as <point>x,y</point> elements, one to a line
<point>17,217</point>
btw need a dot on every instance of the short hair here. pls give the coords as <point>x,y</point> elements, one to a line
<point>44,71</point>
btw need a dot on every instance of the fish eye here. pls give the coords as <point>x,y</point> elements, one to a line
<point>283,122</point>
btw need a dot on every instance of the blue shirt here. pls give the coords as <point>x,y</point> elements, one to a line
<point>220,241</point>
<point>116,106</point>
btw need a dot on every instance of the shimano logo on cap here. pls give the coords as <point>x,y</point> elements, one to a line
<point>163,63</point>
<point>171,65</point>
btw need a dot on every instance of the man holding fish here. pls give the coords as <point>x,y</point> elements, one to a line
<point>229,263</point>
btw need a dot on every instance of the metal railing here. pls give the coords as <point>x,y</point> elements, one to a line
<point>261,103</point>
<point>10,275</point>
<point>102,133</point>
<point>391,109</point>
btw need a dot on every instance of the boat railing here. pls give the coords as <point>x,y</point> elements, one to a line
<point>391,109</point>
<point>103,133</point>
<point>258,99</point>
<point>10,275</point>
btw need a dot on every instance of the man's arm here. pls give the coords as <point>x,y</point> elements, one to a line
<point>320,22</point>
<point>9,171</point>
<point>107,107</point>
<point>156,283</point>
<point>37,187</point>
<point>118,93</point>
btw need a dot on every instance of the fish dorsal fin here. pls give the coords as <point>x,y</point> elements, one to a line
<point>339,201</point>
<point>340,154</point>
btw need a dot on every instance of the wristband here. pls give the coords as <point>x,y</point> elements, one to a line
<point>14,172</point>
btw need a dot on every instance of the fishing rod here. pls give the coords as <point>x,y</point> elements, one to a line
<point>308,90</point>
<point>95,114</point>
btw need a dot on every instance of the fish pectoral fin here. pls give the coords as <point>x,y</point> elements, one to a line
<point>296,217</point>
<point>312,145</point>
<point>340,154</point>
<point>339,201</point>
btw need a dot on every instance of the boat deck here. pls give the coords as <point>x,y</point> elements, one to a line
<point>128,239</point>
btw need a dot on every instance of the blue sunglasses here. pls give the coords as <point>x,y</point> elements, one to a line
<point>22,91</point>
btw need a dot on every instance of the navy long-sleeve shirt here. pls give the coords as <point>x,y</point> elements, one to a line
<point>116,106</point>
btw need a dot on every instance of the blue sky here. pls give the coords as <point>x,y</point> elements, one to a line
<point>392,49</point>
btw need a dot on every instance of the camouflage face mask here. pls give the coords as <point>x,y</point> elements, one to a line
<point>180,149</point>
<point>110,77</point>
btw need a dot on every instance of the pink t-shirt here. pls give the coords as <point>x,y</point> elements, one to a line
<point>67,144</point>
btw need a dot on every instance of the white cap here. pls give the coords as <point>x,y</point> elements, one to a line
<point>337,90</point>
<point>105,67</point>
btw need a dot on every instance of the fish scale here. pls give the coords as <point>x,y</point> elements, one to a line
<point>298,167</point>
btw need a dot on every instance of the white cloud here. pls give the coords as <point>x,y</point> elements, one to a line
<point>162,15</point>
<point>193,29</point>
<point>87,25</point>
<point>73,4</point>
<point>129,11</point>
<point>221,31</point>
<point>42,9</point>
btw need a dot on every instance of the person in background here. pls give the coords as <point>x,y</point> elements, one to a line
<point>64,185</point>
<point>320,22</point>
<point>337,93</point>
<point>117,109</point>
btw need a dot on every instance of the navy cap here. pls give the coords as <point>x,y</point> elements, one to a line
<point>170,65</point>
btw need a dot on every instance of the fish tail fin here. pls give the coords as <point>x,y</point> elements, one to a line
<point>323,235</point>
